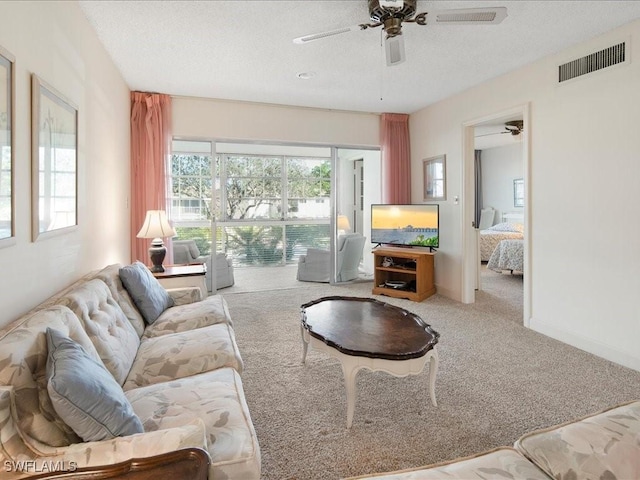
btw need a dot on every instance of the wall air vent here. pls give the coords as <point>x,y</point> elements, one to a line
<point>591,63</point>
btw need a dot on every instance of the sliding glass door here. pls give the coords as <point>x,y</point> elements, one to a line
<point>267,204</point>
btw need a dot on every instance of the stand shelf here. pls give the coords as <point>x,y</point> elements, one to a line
<point>411,270</point>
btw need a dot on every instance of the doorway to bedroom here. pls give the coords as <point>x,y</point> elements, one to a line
<point>496,234</point>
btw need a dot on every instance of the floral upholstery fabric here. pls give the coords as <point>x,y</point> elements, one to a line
<point>185,295</point>
<point>23,366</point>
<point>182,354</point>
<point>215,397</point>
<point>109,275</point>
<point>209,311</point>
<point>162,366</point>
<point>502,463</point>
<point>109,330</point>
<point>601,446</point>
<point>119,449</point>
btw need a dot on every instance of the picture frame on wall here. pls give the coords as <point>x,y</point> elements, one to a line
<point>434,178</point>
<point>7,152</point>
<point>54,161</point>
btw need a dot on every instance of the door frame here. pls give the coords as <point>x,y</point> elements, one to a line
<point>470,261</point>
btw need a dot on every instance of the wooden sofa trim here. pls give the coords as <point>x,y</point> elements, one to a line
<point>191,463</point>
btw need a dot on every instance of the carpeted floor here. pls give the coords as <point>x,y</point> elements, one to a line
<point>497,380</point>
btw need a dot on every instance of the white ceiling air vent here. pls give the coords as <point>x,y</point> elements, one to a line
<point>593,62</point>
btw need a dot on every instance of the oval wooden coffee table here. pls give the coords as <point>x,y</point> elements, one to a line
<point>366,333</point>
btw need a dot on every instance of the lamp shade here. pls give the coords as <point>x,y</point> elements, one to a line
<point>156,225</point>
<point>343,223</point>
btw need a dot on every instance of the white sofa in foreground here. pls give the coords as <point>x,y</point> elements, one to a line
<point>603,446</point>
<point>160,384</point>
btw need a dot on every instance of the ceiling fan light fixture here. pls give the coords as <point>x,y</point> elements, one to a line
<point>514,127</point>
<point>394,50</point>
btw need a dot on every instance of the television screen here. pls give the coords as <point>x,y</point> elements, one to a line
<point>415,225</point>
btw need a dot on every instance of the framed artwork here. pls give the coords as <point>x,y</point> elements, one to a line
<point>54,161</point>
<point>434,177</point>
<point>7,202</point>
<point>518,192</point>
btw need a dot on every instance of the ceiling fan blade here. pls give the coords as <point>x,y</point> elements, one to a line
<point>490,134</point>
<point>463,16</point>
<point>330,33</point>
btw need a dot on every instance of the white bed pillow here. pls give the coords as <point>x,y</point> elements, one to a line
<point>507,227</point>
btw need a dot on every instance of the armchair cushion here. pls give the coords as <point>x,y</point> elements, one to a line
<point>350,247</point>
<point>314,266</point>
<point>148,295</point>
<point>84,393</point>
<point>187,251</point>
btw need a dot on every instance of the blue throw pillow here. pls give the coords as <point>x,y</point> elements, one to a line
<point>147,293</point>
<point>85,394</point>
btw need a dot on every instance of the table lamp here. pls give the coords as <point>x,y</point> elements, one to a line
<point>343,224</point>
<point>156,226</point>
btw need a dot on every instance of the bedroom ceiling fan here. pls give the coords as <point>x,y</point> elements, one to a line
<point>391,14</point>
<point>513,127</point>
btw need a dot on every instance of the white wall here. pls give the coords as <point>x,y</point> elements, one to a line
<point>55,41</point>
<point>228,120</point>
<point>500,166</point>
<point>584,170</point>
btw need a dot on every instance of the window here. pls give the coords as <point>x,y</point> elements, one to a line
<point>270,203</point>
<point>190,192</point>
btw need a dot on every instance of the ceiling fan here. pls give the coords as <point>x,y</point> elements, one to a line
<point>513,127</point>
<point>390,15</point>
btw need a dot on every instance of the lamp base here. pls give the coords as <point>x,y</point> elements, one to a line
<point>157,252</point>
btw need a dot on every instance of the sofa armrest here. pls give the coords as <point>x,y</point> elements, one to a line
<point>15,449</point>
<point>191,463</point>
<point>185,295</point>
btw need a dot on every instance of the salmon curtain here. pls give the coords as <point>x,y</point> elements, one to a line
<point>396,158</point>
<point>150,148</point>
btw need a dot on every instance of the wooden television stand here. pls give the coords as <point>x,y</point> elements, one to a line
<point>409,276</point>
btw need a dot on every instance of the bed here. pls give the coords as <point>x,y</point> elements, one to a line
<point>492,236</point>
<point>508,255</point>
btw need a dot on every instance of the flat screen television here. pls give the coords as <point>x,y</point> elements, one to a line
<point>406,225</point>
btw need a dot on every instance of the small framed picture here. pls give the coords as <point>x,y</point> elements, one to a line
<point>434,175</point>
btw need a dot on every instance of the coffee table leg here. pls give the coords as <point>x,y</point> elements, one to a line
<point>350,372</point>
<point>305,344</point>
<point>433,370</point>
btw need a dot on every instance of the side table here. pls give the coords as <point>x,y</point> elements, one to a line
<point>180,276</point>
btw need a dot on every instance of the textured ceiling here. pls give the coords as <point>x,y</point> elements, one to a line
<point>243,50</point>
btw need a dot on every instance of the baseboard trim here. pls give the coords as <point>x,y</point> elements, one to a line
<point>447,292</point>
<point>587,344</point>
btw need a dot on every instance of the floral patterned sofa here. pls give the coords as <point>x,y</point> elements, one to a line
<point>180,376</point>
<point>605,445</point>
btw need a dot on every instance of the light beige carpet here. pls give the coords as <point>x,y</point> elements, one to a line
<point>497,380</point>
